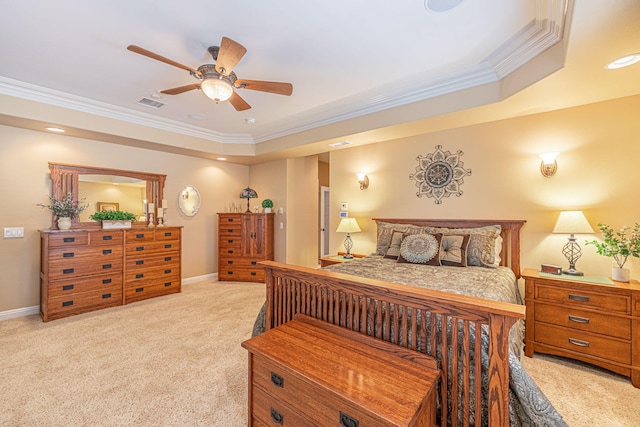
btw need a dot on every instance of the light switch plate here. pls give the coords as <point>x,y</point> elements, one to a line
<point>13,232</point>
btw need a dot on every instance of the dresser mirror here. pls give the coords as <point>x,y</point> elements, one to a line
<point>189,200</point>
<point>104,188</point>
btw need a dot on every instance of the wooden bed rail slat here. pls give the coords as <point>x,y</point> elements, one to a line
<point>408,316</point>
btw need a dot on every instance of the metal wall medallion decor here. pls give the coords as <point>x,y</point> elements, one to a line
<point>439,174</point>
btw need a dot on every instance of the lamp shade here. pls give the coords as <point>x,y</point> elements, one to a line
<point>572,222</point>
<point>216,89</point>
<point>248,193</point>
<point>348,225</point>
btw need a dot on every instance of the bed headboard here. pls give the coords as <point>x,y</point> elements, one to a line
<point>510,253</point>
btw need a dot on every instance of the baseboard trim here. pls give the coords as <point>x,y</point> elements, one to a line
<point>19,312</point>
<point>196,279</point>
<point>28,311</point>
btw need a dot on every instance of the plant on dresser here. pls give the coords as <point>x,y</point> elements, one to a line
<point>618,246</point>
<point>244,239</point>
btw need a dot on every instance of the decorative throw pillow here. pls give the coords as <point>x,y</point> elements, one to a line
<point>482,243</point>
<point>421,249</point>
<point>394,247</point>
<point>385,233</point>
<point>453,250</point>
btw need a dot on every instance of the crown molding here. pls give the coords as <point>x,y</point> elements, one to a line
<point>547,29</point>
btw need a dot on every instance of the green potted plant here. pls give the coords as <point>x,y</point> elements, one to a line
<point>619,246</point>
<point>267,204</point>
<point>114,219</point>
<point>65,209</point>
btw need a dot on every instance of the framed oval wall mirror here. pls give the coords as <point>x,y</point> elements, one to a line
<point>189,200</point>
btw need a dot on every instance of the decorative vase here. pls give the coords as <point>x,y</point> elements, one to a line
<point>267,210</point>
<point>620,274</point>
<point>64,223</point>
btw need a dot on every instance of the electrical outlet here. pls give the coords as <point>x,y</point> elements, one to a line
<point>13,232</point>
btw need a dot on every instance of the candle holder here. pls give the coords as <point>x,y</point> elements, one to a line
<point>151,224</point>
<point>160,222</point>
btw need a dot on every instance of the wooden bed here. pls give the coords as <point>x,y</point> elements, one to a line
<point>399,314</point>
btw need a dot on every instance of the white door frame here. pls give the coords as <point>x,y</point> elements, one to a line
<point>323,250</point>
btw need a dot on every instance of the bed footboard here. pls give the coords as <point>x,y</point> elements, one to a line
<point>414,318</point>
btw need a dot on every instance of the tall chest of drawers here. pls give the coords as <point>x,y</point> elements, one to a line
<point>244,239</point>
<point>87,270</point>
<point>307,372</point>
<point>592,322</point>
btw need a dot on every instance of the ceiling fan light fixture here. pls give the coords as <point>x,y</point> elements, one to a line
<point>217,89</point>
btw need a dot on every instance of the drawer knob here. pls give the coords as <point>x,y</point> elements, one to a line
<point>276,416</point>
<point>106,252</point>
<point>69,239</point>
<point>68,271</point>
<point>167,246</point>
<point>348,421</point>
<point>581,298</point>
<point>68,255</point>
<point>105,266</point>
<point>140,262</point>
<point>67,303</point>
<point>139,275</point>
<point>167,234</point>
<point>106,281</point>
<point>277,380</point>
<point>107,237</point>
<point>67,287</point>
<point>579,343</point>
<point>105,296</point>
<point>578,319</point>
<point>167,258</point>
<point>139,236</point>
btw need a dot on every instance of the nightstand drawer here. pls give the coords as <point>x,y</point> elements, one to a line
<point>272,412</point>
<point>584,299</point>
<point>583,342</point>
<point>587,321</point>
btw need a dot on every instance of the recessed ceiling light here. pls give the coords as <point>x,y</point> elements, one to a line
<point>625,61</point>
<point>54,129</point>
<point>249,120</point>
<point>340,143</point>
<point>222,158</point>
<point>198,116</point>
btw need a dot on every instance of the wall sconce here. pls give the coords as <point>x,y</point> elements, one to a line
<point>549,166</point>
<point>363,180</point>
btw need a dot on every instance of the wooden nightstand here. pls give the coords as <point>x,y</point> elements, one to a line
<point>584,318</point>
<point>337,259</point>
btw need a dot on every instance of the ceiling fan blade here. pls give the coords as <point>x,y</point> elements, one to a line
<point>231,52</point>
<point>271,87</point>
<point>181,89</point>
<point>147,53</point>
<point>238,103</point>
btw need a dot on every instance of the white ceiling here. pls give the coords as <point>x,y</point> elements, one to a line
<point>361,69</point>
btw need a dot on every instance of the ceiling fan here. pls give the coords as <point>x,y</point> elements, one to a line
<point>218,80</point>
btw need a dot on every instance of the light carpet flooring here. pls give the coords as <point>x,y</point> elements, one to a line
<point>177,361</point>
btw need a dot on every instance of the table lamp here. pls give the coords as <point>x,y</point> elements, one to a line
<point>248,193</point>
<point>572,222</point>
<point>348,225</point>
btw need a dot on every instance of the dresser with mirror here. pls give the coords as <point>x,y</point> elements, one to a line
<point>87,268</point>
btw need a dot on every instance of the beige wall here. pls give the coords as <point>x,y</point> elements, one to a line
<point>270,182</point>
<point>597,173</point>
<point>24,157</point>
<point>302,211</point>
